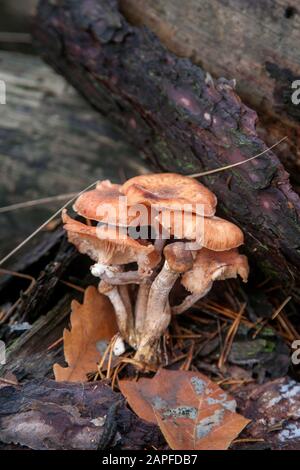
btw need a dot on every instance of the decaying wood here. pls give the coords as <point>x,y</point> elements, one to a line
<point>31,355</point>
<point>274,412</point>
<point>45,415</point>
<point>182,121</point>
<point>255,42</point>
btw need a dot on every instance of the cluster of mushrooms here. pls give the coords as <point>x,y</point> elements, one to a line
<point>140,260</point>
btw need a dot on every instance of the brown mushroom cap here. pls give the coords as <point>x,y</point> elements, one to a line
<point>108,205</point>
<point>170,191</point>
<point>210,266</point>
<point>179,258</point>
<point>109,245</point>
<point>213,233</point>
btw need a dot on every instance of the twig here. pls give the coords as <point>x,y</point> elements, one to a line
<point>240,441</point>
<point>73,286</point>
<point>112,343</point>
<point>26,292</point>
<point>9,382</point>
<point>186,365</point>
<point>281,307</point>
<point>230,337</point>
<point>56,343</point>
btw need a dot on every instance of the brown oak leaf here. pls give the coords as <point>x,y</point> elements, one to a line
<point>91,322</point>
<point>192,412</point>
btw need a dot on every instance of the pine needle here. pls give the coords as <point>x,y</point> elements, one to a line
<point>227,167</point>
<point>15,250</point>
<point>35,202</point>
<point>281,307</point>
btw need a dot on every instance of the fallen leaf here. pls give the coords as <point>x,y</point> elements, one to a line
<point>192,412</point>
<point>91,322</point>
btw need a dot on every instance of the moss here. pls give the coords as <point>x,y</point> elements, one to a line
<point>267,331</point>
<point>269,347</point>
<point>239,138</point>
<point>268,268</point>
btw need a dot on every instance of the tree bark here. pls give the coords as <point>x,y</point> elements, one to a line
<point>170,109</point>
<point>255,42</point>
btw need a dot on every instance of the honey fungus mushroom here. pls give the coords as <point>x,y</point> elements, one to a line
<point>197,250</point>
<point>109,246</point>
<point>170,191</point>
<point>213,233</point>
<point>107,204</point>
<point>210,266</point>
<point>111,249</point>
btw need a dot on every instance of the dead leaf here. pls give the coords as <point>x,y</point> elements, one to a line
<point>91,322</point>
<point>192,412</point>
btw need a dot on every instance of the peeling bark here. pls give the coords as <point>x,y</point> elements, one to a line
<point>45,415</point>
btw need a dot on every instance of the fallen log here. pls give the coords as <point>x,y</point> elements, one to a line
<point>182,120</point>
<point>46,415</point>
<point>255,42</point>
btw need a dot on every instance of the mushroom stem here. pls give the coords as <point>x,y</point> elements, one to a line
<point>158,314</point>
<point>123,289</point>
<point>117,279</point>
<point>160,243</point>
<point>124,319</point>
<point>148,351</point>
<point>189,301</point>
<point>124,294</point>
<point>141,306</point>
<point>143,293</point>
<point>177,261</point>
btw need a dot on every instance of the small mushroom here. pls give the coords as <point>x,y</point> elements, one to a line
<point>123,315</point>
<point>88,204</point>
<point>110,246</point>
<point>108,205</point>
<point>170,191</point>
<point>178,260</point>
<point>210,266</point>
<point>213,233</point>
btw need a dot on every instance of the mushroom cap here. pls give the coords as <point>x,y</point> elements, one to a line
<point>213,233</point>
<point>110,245</point>
<point>178,257</point>
<point>211,266</point>
<point>170,191</point>
<point>108,205</point>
